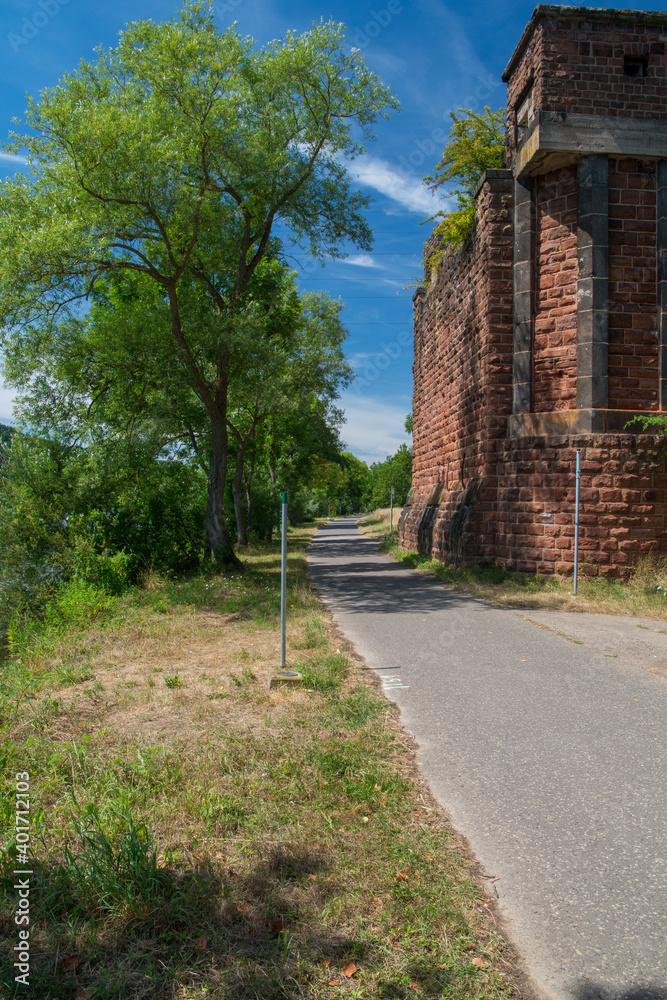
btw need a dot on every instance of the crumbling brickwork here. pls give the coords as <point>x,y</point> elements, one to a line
<point>547,332</point>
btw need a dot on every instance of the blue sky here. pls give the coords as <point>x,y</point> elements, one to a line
<point>435,56</point>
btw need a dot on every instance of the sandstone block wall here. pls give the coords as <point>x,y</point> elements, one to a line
<point>547,332</point>
<point>623,503</point>
<point>463,386</point>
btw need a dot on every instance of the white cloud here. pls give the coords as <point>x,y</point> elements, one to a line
<point>374,429</point>
<point>361,260</point>
<point>13,158</point>
<point>399,186</point>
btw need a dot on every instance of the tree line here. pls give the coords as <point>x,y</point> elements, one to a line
<point>172,378</point>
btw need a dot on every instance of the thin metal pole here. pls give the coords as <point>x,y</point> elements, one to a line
<point>283,574</point>
<point>576,521</point>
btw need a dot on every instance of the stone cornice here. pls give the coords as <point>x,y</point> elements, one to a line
<point>593,421</point>
<point>556,139</point>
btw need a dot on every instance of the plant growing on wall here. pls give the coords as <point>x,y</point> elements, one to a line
<point>476,143</point>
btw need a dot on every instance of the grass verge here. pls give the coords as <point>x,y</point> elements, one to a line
<point>643,594</point>
<point>195,835</point>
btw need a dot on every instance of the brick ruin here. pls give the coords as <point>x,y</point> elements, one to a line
<point>547,332</point>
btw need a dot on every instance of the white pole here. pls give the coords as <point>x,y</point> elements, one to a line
<point>283,574</point>
<point>576,520</point>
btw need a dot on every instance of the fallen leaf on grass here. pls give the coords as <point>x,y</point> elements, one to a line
<point>71,963</point>
<point>334,982</point>
<point>313,878</point>
<point>349,970</point>
<point>200,943</point>
<point>327,963</point>
<point>415,986</point>
<point>277,926</point>
<point>480,963</point>
<point>244,908</point>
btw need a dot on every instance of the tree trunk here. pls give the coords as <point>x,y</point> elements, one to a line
<point>248,483</point>
<point>215,401</point>
<point>237,493</point>
<point>216,527</point>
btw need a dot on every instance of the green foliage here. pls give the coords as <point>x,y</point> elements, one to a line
<point>656,424</point>
<point>99,515</point>
<point>171,158</point>
<point>6,433</point>
<point>396,471</point>
<point>174,681</point>
<point>476,143</point>
<point>108,871</point>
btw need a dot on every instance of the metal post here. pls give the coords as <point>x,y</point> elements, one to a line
<point>282,676</point>
<point>576,521</point>
<point>283,574</point>
<point>391,511</point>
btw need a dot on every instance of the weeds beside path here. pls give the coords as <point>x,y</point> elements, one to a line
<point>644,594</point>
<point>197,835</point>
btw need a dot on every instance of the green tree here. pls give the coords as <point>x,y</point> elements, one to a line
<point>476,142</point>
<point>278,376</point>
<point>6,434</point>
<point>396,471</point>
<point>176,155</point>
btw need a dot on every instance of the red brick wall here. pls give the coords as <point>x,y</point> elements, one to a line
<point>583,68</point>
<point>633,311</point>
<point>555,339</point>
<point>463,378</point>
<point>577,66</point>
<point>623,503</point>
<point>479,494</point>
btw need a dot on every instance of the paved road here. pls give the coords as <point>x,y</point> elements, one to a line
<point>549,756</point>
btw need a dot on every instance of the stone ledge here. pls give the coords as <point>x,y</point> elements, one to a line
<point>493,174</point>
<point>594,421</point>
<point>557,140</point>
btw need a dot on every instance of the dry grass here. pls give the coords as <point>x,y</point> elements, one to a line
<point>377,523</point>
<point>198,835</point>
<point>643,594</point>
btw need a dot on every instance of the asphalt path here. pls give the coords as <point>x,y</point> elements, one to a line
<point>549,756</point>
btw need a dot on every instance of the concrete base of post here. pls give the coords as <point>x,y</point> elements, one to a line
<point>285,678</point>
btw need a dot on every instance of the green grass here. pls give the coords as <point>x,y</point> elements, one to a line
<point>253,851</point>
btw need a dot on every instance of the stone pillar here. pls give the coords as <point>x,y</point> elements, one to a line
<point>524,280</point>
<point>592,282</point>
<point>661,224</point>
